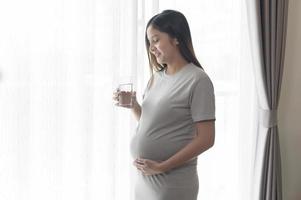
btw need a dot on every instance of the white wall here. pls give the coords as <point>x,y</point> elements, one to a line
<point>290,107</point>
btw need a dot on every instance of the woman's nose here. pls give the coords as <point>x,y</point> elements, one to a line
<point>151,48</point>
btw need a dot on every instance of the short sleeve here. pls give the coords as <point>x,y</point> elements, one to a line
<point>202,102</point>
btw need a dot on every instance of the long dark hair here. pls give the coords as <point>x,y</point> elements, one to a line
<point>176,26</point>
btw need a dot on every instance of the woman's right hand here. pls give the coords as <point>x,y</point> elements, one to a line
<point>116,96</point>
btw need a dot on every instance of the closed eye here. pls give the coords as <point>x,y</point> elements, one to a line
<point>154,41</point>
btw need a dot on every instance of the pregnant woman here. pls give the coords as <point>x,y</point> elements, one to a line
<point>177,115</point>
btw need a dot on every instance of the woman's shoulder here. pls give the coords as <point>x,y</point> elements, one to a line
<point>200,79</point>
<point>197,73</point>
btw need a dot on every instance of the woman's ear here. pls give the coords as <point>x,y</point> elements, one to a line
<point>176,41</point>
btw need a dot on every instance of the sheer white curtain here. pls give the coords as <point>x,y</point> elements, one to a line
<point>60,135</point>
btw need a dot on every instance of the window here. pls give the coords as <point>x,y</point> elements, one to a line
<point>61,136</point>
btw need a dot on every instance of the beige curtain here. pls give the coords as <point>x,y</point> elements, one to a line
<point>267,26</point>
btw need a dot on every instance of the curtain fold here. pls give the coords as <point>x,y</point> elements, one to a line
<point>267,26</point>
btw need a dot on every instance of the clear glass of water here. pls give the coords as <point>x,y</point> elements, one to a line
<point>125,94</point>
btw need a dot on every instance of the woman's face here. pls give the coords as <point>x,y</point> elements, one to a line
<point>163,47</point>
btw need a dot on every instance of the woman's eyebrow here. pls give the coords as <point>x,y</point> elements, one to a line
<point>155,35</point>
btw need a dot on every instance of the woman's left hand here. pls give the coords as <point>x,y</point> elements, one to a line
<point>149,167</point>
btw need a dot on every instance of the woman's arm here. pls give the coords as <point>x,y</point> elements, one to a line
<point>136,110</point>
<point>203,140</point>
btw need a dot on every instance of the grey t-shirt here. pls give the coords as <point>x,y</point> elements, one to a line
<point>170,109</point>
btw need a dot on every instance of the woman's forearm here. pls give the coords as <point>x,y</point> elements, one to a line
<point>190,151</point>
<point>198,145</point>
<point>136,110</point>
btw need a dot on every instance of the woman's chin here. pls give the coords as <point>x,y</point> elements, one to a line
<point>160,61</point>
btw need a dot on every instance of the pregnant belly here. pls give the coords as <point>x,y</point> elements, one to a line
<point>158,149</point>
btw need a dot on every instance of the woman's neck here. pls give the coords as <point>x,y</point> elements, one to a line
<point>176,66</point>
